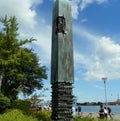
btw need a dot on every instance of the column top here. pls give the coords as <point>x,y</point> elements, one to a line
<point>65,1</point>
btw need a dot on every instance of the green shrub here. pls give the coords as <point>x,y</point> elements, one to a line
<point>16,115</point>
<point>44,115</point>
<point>4,103</point>
<point>84,119</point>
<point>21,104</point>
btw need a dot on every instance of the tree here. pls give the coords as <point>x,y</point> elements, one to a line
<point>20,69</point>
<point>37,99</point>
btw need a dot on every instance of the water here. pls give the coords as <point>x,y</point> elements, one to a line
<point>94,109</point>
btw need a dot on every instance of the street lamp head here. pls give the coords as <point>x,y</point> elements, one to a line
<point>104,78</point>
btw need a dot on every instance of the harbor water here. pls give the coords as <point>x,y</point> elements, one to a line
<point>94,109</point>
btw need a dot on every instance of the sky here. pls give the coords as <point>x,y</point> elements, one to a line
<point>96,44</point>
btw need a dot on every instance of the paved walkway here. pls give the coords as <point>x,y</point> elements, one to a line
<point>116,117</point>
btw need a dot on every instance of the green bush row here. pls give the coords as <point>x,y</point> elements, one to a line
<point>18,115</point>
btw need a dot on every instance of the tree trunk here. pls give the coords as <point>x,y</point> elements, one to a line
<point>1,76</point>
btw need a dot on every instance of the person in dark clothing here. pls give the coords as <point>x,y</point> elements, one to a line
<point>79,111</point>
<point>101,112</point>
<point>109,112</point>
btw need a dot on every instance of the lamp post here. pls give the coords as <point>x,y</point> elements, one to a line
<point>104,79</point>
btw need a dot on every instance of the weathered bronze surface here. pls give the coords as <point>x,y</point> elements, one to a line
<point>62,45</point>
<point>62,71</point>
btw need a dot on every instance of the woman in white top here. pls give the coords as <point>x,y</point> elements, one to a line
<point>105,112</point>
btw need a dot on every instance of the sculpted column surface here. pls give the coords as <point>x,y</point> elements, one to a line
<point>62,66</point>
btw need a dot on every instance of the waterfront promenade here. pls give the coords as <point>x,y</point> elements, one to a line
<point>116,117</point>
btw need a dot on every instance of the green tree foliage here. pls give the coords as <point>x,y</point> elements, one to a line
<point>19,66</point>
<point>23,105</point>
<point>4,103</point>
<point>16,115</point>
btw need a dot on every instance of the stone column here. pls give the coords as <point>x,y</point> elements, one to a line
<point>62,67</point>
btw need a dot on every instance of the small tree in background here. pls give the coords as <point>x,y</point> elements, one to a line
<point>37,100</point>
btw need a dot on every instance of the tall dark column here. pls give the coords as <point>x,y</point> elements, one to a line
<point>62,67</point>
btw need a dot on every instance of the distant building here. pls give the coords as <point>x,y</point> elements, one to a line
<point>118,100</point>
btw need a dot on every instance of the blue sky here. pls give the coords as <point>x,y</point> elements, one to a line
<point>96,33</point>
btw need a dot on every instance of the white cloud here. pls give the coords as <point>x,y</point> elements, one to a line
<point>85,3</point>
<point>22,9</point>
<point>42,45</point>
<point>109,48</point>
<point>103,61</point>
<point>75,8</point>
<point>80,5</point>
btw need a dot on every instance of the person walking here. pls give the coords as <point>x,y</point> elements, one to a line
<point>79,111</point>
